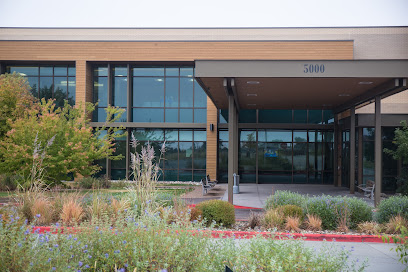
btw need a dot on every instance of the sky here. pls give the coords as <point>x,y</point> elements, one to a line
<point>202,13</point>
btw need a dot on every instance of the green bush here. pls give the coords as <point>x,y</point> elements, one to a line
<point>273,219</point>
<point>359,211</point>
<point>395,205</point>
<point>292,211</point>
<point>222,212</point>
<point>281,198</point>
<point>9,182</point>
<point>324,207</point>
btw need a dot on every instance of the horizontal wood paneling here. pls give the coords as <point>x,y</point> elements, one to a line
<point>212,158</point>
<point>174,51</point>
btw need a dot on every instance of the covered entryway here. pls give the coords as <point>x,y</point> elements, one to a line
<point>339,86</point>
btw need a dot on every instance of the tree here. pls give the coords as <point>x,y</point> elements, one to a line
<point>75,146</point>
<point>401,153</point>
<point>15,98</point>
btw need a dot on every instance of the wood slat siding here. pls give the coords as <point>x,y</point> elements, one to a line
<point>212,139</point>
<point>175,51</point>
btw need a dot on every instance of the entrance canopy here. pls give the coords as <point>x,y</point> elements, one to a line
<point>335,85</point>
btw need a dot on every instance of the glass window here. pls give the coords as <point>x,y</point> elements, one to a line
<point>171,135</point>
<point>172,92</point>
<point>23,70</point>
<point>186,72</point>
<point>148,134</point>
<point>200,97</point>
<point>71,71</point>
<point>328,117</point>
<point>248,136</point>
<point>148,92</point>
<point>223,116</point>
<point>46,87</point>
<point>46,71</point>
<point>200,135</point>
<point>275,116</point>
<point>60,90</point>
<point>299,136</point>
<point>148,71</point>
<point>186,135</point>
<point>100,71</point>
<point>186,92</point>
<point>315,116</point>
<point>171,115</point>
<point>186,115</point>
<point>200,155</point>
<point>247,116</point>
<point>200,115</point>
<point>33,81</point>
<point>149,115</point>
<point>119,91</point>
<point>60,71</point>
<point>223,135</point>
<point>71,91</point>
<point>278,136</point>
<point>185,155</point>
<point>300,116</point>
<point>368,134</point>
<point>120,71</point>
<point>101,91</point>
<point>172,71</point>
<point>171,156</point>
<point>99,115</point>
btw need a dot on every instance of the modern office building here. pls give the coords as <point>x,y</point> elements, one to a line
<point>275,105</point>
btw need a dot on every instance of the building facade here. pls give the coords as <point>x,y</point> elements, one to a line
<point>275,105</point>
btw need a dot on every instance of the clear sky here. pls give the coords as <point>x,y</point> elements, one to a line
<point>204,13</point>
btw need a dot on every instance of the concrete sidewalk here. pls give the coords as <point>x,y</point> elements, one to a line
<point>255,195</point>
<point>379,255</point>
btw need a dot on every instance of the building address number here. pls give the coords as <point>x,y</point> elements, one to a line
<point>313,68</point>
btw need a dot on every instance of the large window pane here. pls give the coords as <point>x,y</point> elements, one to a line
<point>148,115</point>
<point>200,97</point>
<point>172,92</point>
<point>33,81</point>
<point>171,155</point>
<point>247,116</point>
<point>71,90</point>
<point>315,116</point>
<point>148,92</point>
<point>278,136</point>
<point>185,155</point>
<point>60,71</point>
<point>187,71</point>
<point>46,71</point>
<point>200,135</point>
<point>148,134</point>
<point>119,92</point>
<point>101,91</point>
<point>46,87</point>
<point>60,90</point>
<point>186,135</point>
<point>148,71</point>
<point>186,115</point>
<point>186,92</point>
<point>300,116</point>
<point>275,116</point>
<point>171,116</point>
<point>199,155</point>
<point>23,70</point>
<point>200,116</point>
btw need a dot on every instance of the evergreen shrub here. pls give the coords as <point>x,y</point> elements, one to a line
<point>392,206</point>
<point>221,212</point>
<point>281,198</point>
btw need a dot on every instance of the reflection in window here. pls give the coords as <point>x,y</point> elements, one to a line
<point>49,82</point>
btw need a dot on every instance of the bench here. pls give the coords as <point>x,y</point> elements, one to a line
<point>368,188</point>
<point>206,186</point>
<point>209,180</point>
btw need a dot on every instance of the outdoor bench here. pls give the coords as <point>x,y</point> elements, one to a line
<point>367,188</point>
<point>207,184</point>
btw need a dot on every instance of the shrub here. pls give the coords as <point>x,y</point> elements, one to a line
<point>292,223</point>
<point>281,198</point>
<point>395,225</point>
<point>359,211</point>
<point>369,227</point>
<point>222,212</point>
<point>42,208</point>
<point>325,208</point>
<point>72,212</point>
<point>9,182</point>
<point>255,219</point>
<point>313,222</point>
<point>273,219</point>
<point>291,210</point>
<point>392,206</point>
<point>196,214</point>
<point>86,182</point>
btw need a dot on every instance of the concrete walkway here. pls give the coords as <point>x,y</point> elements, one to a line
<point>255,195</point>
<point>379,255</point>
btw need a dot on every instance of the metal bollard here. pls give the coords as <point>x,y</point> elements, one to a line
<point>235,188</point>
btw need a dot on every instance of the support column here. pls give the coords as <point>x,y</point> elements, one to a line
<point>232,150</point>
<point>352,149</point>
<point>378,151</point>
<point>339,157</point>
<point>212,140</point>
<point>360,156</point>
<point>336,151</point>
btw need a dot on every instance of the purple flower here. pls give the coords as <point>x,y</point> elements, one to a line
<point>122,270</point>
<point>80,263</point>
<point>19,245</point>
<point>116,251</point>
<point>106,255</point>
<point>56,245</point>
<point>86,266</point>
<point>53,269</point>
<point>57,225</point>
<point>85,251</point>
<point>89,256</point>
<point>49,260</point>
<point>38,215</point>
<point>124,242</point>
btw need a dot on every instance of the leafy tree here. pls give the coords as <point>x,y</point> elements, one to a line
<point>15,98</point>
<point>401,153</point>
<point>75,145</point>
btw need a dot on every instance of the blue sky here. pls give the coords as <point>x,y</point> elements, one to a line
<point>208,13</point>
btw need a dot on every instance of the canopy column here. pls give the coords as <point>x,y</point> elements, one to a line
<point>378,151</point>
<point>352,149</point>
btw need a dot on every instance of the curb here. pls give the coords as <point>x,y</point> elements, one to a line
<point>254,234</point>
